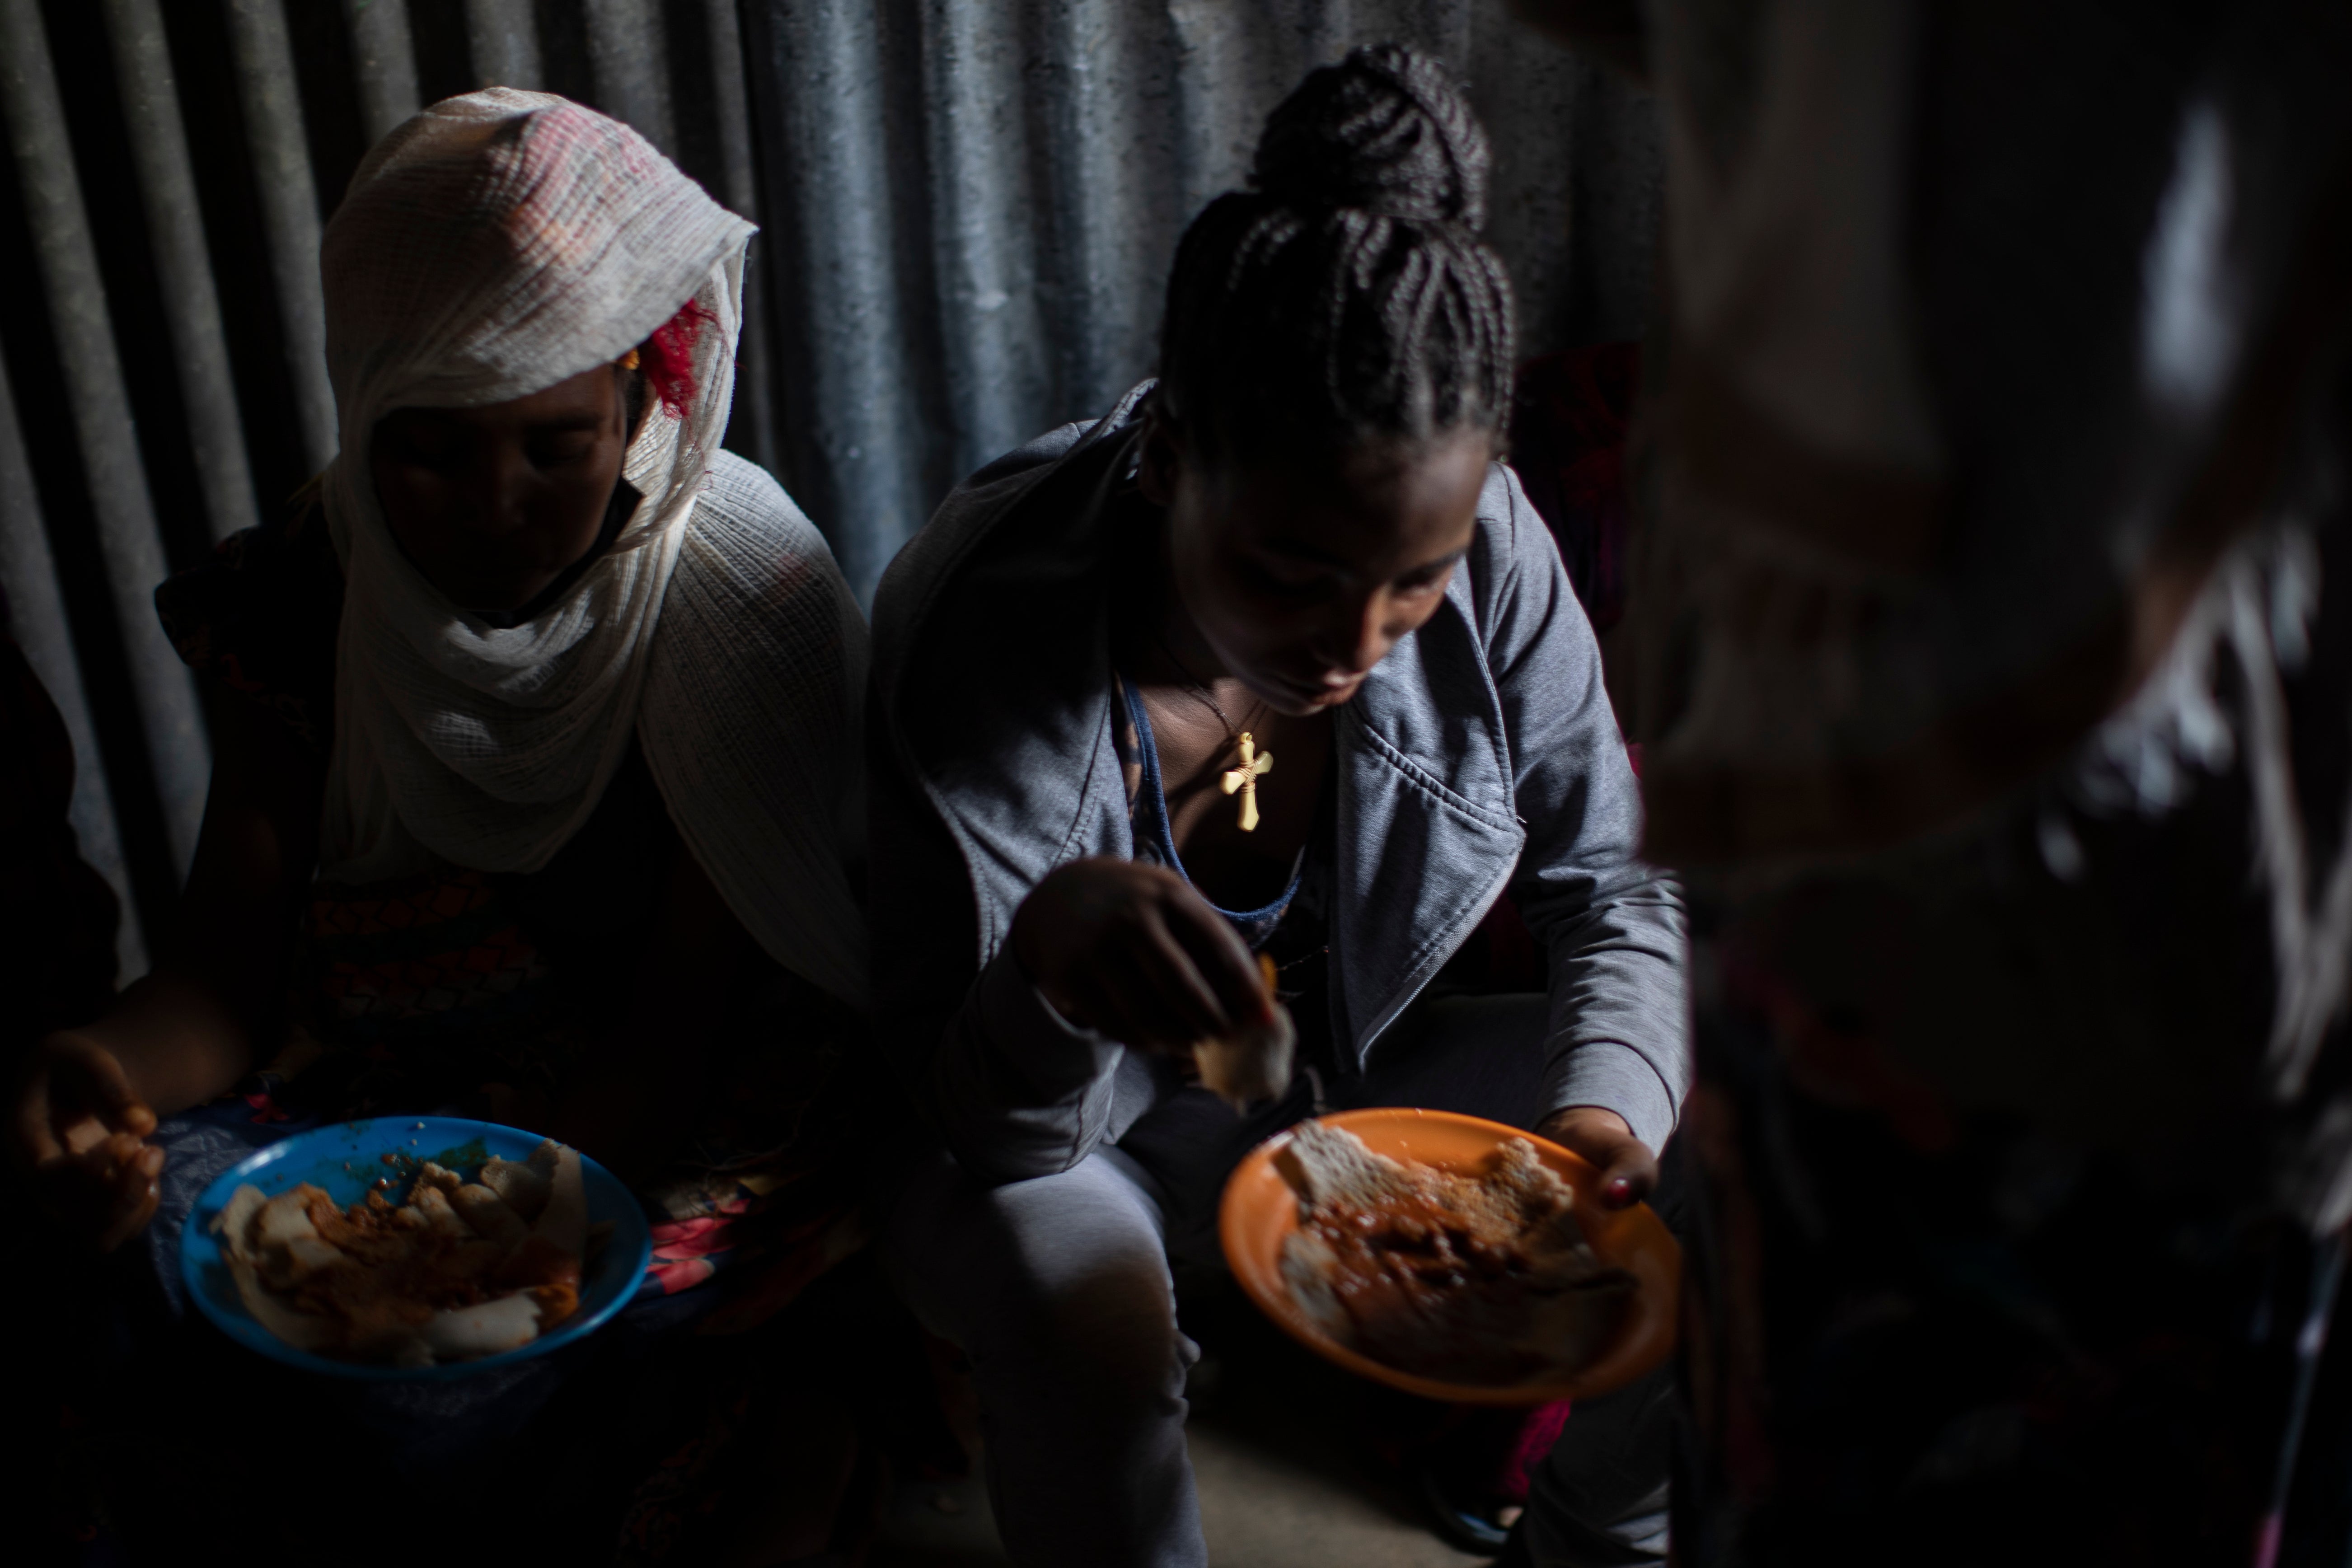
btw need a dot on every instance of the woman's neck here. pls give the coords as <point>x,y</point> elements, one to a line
<point>1198,711</point>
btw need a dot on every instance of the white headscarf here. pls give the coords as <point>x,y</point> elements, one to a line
<point>493,246</point>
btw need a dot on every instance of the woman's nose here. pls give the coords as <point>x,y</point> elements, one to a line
<point>1358,639</point>
<point>495,491</point>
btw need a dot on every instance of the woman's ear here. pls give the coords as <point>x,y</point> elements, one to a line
<point>1162,454</point>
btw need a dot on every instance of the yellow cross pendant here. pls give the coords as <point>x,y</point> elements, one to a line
<point>1244,779</point>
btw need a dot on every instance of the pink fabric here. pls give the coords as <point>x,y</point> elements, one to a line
<point>1537,1433</point>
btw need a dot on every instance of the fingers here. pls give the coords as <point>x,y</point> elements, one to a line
<point>1126,1001</point>
<point>35,1140</point>
<point>81,1129</point>
<point>1224,960</point>
<point>1188,1008</point>
<point>136,1191</point>
<point>74,1095</point>
<point>1149,997</point>
<point>103,1084</point>
<point>1630,1176</point>
<point>1134,952</point>
<point>1193,978</point>
<point>1628,1171</point>
<point>125,1148</point>
<point>104,1197</point>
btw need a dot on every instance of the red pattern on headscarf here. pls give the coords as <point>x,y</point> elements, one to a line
<point>667,357</point>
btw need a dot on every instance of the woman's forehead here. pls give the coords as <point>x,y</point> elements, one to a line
<point>584,399</point>
<point>1350,507</point>
<point>1375,475</point>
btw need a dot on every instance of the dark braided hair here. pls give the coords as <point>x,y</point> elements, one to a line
<point>1347,296</point>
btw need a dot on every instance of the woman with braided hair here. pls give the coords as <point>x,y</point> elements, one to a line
<point>1274,660</point>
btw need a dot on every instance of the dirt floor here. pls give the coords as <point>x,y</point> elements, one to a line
<point>1296,1461</point>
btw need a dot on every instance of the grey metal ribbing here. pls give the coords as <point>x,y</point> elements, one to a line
<point>383,61</point>
<point>825,172</point>
<point>176,230</point>
<point>739,173</point>
<point>632,67</point>
<point>36,610</point>
<point>503,42</point>
<point>1328,30</point>
<point>1228,72</point>
<point>754,422</point>
<point>1447,28</point>
<point>1113,234</point>
<point>178,752</point>
<point>1527,89</point>
<point>997,374</point>
<point>264,60</point>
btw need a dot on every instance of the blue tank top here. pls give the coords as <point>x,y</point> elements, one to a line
<point>1155,841</point>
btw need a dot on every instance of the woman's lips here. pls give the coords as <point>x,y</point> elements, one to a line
<point>1326,693</point>
<point>1308,693</point>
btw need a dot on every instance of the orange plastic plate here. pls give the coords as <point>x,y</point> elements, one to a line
<point>1260,1210</point>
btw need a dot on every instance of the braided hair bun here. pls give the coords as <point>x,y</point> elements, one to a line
<point>1387,132</point>
<point>1347,297</point>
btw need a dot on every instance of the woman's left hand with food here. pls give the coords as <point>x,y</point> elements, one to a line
<point>78,1132</point>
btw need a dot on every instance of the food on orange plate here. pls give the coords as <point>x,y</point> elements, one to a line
<point>460,1269</point>
<point>1253,1064</point>
<point>1483,1280</point>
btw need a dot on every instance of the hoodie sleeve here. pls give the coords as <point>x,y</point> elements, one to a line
<point>1013,1089</point>
<point>1611,927</point>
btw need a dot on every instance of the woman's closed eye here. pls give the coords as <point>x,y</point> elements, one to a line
<point>1426,579</point>
<point>1288,577</point>
<point>430,445</point>
<point>564,447</point>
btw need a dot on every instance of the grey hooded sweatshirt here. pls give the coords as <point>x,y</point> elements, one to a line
<point>1481,754</point>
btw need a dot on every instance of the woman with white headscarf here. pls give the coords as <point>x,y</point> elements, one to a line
<point>536,727</point>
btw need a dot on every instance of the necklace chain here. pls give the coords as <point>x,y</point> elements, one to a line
<point>1241,779</point>
<point>1192,684</point>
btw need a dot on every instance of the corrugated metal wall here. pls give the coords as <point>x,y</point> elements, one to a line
<point>968,207</point>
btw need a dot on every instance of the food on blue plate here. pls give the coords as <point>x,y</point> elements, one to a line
<point>1482,1279</point>
<point>459,1269</point>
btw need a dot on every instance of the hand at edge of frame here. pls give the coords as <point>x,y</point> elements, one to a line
<point>1629,1170</point>
<point>79,1131</point>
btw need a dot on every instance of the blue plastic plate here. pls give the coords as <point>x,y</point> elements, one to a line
<point>346,1160</point>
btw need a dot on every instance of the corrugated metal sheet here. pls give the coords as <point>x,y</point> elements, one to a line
<point>968,207</point>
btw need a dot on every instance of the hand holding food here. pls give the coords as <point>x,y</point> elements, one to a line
<point>1130,949</point>
<point>79,1132</point>
<point>1252,1063</point>
<point>460,1269</point>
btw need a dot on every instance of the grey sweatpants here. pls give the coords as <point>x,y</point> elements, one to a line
<point>1058,1290</point>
